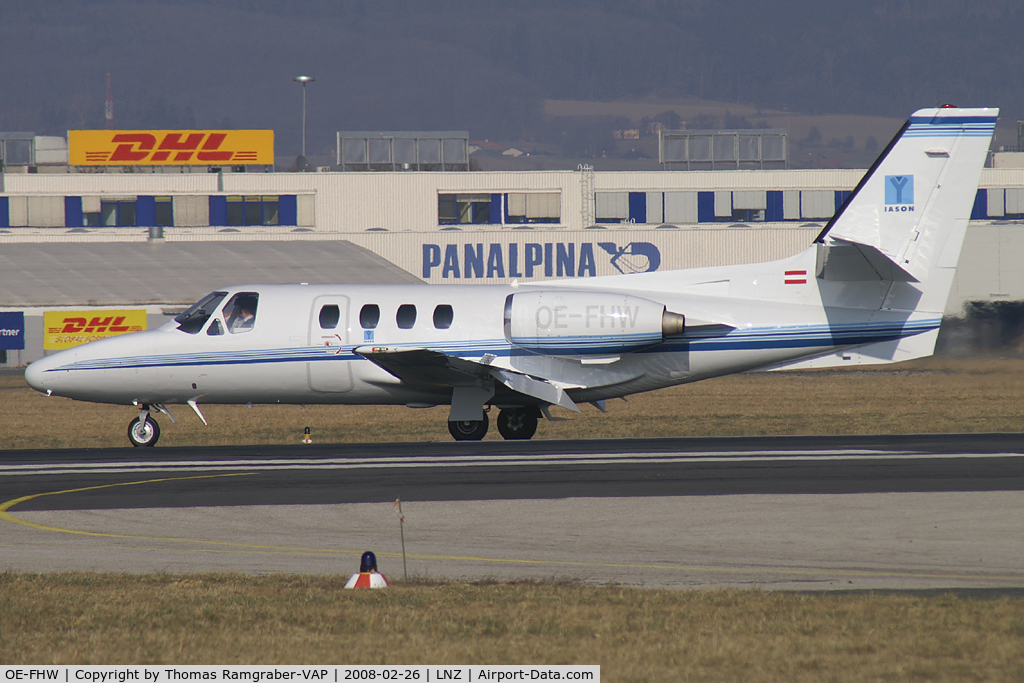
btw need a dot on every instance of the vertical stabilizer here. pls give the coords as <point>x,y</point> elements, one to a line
<point>913,205</point>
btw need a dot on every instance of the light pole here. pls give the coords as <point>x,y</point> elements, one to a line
<point>303,80</point>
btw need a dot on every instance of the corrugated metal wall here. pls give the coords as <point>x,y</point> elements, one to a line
<point>502,256</point>
<point>404,201</point>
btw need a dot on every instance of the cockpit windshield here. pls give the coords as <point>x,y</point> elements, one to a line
<point>192,320</point>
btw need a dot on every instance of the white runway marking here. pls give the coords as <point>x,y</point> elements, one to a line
<point>430,461</point>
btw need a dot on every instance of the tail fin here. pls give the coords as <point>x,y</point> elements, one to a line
<point>898,212</point>
<point>907,219</point>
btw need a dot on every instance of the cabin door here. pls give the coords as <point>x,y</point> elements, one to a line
<point>331,367</point>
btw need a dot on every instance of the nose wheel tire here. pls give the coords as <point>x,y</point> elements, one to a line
<point>143,433</point>
<point>468,430</point>
<point>517,423</point>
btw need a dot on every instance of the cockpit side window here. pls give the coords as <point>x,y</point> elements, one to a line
<point>240,312</point>
<point>192,320</point>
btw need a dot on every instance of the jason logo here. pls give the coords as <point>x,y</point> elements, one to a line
<point>899,193</point>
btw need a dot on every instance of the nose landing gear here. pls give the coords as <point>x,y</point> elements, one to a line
<point>143,430</point>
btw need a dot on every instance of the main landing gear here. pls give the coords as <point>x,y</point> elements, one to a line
<point>468,430</point>
<point>143,430</point>
<point>513,424</point>
<point>518,423</point>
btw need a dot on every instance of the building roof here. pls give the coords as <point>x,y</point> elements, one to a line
<point>173,273</point>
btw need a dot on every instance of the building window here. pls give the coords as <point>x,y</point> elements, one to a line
<point>164,211</point>
<point>117,214</point>
<point>464,208</point>
<point>748,215</point>
<point>253,210</point>
<point>533,207</point>
<point>499,209</point>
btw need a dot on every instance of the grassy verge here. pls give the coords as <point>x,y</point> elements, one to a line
<point>926,396</point>
<point>634,634</point>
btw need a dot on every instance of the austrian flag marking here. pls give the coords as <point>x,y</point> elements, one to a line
<point>796,277</point>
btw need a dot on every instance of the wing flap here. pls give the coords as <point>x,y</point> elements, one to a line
<point>428,368</point>
<point>422,367</point>
<point>537,388</point>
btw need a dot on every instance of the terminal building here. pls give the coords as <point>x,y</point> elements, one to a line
<point>180,213</point>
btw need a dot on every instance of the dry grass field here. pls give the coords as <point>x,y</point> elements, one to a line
<point>634,634</point>
<point>938,394</point>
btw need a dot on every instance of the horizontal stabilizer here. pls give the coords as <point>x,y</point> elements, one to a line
<point>884,267</point>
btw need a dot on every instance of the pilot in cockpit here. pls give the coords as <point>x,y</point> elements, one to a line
<point>241,316</point>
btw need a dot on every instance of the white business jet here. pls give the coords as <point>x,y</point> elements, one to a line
<point>871,288</point>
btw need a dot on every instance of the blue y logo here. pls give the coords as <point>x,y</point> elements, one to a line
<point>899,189</point>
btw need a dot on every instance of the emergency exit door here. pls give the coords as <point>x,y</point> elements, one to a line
<point>331,367</point>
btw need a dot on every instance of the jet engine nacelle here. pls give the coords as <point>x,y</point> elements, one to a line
<point>586,323</point>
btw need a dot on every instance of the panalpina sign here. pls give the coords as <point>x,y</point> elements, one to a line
<point>170,147</point>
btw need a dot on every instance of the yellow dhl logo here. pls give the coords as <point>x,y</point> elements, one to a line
<point>65,329</point>
<point>170,147</point>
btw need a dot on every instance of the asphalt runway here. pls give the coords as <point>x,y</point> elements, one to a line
<point>903,512</point>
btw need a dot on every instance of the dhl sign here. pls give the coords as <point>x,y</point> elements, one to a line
<point>64,329</point>
<point>170,147</point>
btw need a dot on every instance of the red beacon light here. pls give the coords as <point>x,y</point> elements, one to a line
<point>948,106</point>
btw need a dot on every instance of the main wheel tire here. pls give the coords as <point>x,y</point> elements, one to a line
<point>468,430</point>
<point>517,423</point>
<point>143,433</point>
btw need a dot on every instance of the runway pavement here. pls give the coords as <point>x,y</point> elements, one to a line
<point>778,513</point>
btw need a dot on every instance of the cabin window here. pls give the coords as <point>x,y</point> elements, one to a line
<point>406,316</point>
<point>443,316</point>
<point>329,316</point>
<point>369,316</point>
<point>240,312</point>
<point>193,320</point>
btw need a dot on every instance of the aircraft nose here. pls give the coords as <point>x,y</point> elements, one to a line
<point>34,376</point>
<point>38,378</point>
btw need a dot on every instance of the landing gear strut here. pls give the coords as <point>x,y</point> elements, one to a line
<point>518,423</point>
<point>468,430</point>
<point>143,430</point>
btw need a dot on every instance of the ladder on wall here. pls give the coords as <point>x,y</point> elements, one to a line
<point>587,192</point>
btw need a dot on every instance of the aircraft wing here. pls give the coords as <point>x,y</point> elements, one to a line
<point>424,367</point>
